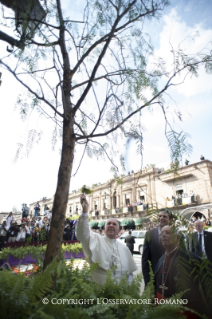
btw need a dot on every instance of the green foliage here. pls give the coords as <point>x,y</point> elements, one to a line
<point>119,179</point>
<point>178,144</point>
<point>74,217</point>
<point>86,190</point>
<point>23,297</point>
<point>37,251</point>
<point>206,227</point>
<point>152,165</point>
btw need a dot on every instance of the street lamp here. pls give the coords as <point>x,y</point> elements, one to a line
<point>28,13</point>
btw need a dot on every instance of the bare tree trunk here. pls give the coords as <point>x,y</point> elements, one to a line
<point>61,195</point>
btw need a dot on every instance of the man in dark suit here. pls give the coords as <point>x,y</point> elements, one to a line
<point>202,241</point>
<point>153,249</point>
<point>130,241</point>
<point>179,270</point>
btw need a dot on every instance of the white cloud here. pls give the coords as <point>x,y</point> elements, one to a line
<point>177,34</point>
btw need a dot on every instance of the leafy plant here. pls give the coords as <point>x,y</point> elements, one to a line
<point>86,190</point>
<point>37,251</point>
<point>32,297</point>
<point>119,179</point>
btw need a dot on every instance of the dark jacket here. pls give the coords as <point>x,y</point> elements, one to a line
<point>130,241</point>
<point>13,231</point>
<point>186,274</point>
<point>207,243</point>
<point>66,234</point>
<point>152,251</point>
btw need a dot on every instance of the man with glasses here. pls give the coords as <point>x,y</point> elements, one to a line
<point>153,249</point>
<point>202,242</point>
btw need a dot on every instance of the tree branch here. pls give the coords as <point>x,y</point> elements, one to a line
<point>106,36</point>
<point>30,90</point>
<point>12,41</point>
<point>105,153</point>
<point>47,44</point>
<point>80,160</point>
<point>66,63</point>
<point>151,101</point>
<point>111,34</point>
<point>44,70</point>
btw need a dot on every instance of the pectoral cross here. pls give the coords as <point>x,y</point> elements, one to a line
<point>163,287</point>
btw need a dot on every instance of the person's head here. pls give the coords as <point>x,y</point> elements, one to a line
<point>112,228</point>
<point>10,214</point>
<point>4,222</point>
<point>130,232</point>
<point>198,225</point>
<point>170,238</point>
<point>164,217</point>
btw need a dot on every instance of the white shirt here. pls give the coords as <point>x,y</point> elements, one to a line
<point>21,234</point>
<point>40,223</point>
<point>28,228</point>
<point>203,243</point>
<point>9,219</point>
<point>3,232</point>
<point>49,215</point>
<point>106,252</point>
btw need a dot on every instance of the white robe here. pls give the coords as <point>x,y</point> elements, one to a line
<point>106,252</point>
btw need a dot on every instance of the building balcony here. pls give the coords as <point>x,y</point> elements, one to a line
<point>180,201</point>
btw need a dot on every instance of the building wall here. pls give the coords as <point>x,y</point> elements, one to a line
<point>155,187</point>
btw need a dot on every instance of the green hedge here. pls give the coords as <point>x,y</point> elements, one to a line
<point>101,223</point>
<point>141,220</point>
<point>37,251</point>
<point>46,295</point>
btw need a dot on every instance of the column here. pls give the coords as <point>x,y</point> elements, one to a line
<point>117,201</point>
<point>130,194</point>
<point>138,195</point>
<point>109,202</point>
<point>100,202</point>
<point>153,190</point>
<point>120,196</point>
<point>124,200</point>
<point>133,192</point>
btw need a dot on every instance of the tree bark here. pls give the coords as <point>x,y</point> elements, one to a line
<point>62,192</point>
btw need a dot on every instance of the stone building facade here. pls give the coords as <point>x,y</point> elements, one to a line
<point>153,187</point>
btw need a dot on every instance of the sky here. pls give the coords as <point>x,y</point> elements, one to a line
<point>34,175</point>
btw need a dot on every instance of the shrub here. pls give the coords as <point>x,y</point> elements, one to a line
<point>33,296</point>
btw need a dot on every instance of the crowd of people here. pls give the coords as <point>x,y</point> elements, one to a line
<point>177,200</point>
<point>206,222</point>
<point>31,228</point>
<point>27,229</point>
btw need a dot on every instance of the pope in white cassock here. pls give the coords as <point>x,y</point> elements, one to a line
<point>104,250</point>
